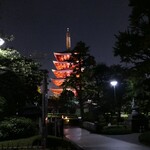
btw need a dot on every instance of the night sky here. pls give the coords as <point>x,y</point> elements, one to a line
<point>39,26</point>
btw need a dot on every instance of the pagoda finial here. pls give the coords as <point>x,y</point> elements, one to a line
<point>68,40</point>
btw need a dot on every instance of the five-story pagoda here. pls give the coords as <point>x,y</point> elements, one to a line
<point>63,67</point>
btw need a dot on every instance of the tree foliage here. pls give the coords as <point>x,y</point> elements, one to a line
<point>133,47</point>
<point>67,102</point>
<point>82,62</point>
<point>19,80</point>
<point>15,128</point>
<point>101,92</point>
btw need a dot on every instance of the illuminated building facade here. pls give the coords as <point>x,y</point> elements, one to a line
<point>63,67</point>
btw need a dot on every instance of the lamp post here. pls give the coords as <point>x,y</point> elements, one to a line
<point>114,83</point>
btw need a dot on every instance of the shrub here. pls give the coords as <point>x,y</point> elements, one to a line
<point>2,106</point>
<point>145,138</point>
<point>19,142</point>
<point>116,130</point>
<point>88,116</point>
<point>52,143</point>
<point>16,127</point>
<point>100,126</point>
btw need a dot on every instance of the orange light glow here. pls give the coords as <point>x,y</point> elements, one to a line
<point>59,91</point>
<point>62,56</point>
<point>77,75</point>
<point>56,91</point>
<point>62,65</point>
<point>62,73</point>
<point>57,82</point>
<point>64,68</point>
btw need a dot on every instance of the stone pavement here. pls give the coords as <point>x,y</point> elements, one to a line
<point>91,141</point>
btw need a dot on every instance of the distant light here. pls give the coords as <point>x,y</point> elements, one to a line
<point>67,120</point>
<point>114,83</point>
<point>1,41</point>
<point>89,101</point>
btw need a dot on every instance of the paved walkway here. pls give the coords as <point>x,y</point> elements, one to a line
<point>90,141</point>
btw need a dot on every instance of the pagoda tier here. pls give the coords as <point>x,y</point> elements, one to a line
<point>58,82</point>
<point>62,74</point>
<point>56,91</point>
<point>62,65</point>
<point>59,91</point>
<point>62,56</point>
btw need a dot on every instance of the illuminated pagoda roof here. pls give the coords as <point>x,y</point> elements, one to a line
<point>62,56</point>
<point>62,65</point>
<point>62,73</point>
<point>58,82</point>
<point>56,91</point>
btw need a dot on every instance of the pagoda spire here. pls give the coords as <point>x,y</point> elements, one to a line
<point>68,40</point>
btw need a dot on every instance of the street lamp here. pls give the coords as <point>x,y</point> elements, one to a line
<point>114,83</point>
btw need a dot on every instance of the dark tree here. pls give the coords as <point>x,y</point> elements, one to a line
<point>133,47</point>
<point>101,91</point>
<point>19,80</point>
<point>82,61</point>
<point>67,102</point>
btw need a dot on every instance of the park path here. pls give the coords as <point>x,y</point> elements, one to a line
<point>91,141</point>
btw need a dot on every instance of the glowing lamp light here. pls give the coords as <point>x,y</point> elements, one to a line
<point>114,83</point>
<point>1,41</point>
<point>77,75</point>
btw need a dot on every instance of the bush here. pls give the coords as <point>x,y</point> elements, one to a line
<point>88,116</point>
<point>52,143</point>
<point>116,130</point>
<point>19,142</point>
<point>2,106</point>
<point>16,127</point>
<point>145,138</point>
